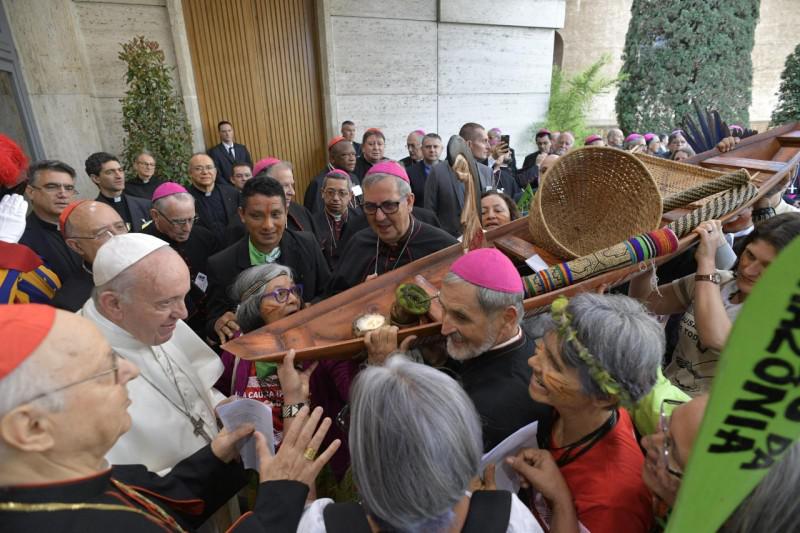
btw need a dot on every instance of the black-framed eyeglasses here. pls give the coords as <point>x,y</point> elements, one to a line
<point>117,228</point>
<point>178,222</point>
<point>56,187</point>
<point>113,370</point>
<point>664,420</point>
<point>388,207</point>
<point>281,295</point>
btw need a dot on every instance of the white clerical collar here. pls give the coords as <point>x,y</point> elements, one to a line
<point>509,342</point>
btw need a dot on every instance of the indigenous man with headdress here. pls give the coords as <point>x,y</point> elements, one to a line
<point>64,402</point>
<point>395,237</point>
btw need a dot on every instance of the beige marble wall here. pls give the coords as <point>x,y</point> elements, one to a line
<point>74,76</point>
<point>393,65</point>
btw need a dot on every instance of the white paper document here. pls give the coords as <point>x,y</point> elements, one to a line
<point>246,411</point>
<point>505,476</point>
<point>536,263</point>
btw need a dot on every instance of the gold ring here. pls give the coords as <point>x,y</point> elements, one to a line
<point>310,454</point>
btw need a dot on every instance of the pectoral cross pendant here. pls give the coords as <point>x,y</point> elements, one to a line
<point>197,423</point>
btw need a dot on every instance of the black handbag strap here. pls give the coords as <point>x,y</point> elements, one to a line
<point>489,512</point>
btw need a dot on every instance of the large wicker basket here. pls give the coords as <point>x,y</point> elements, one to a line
<point>592,198</point>
<point>673,177</point>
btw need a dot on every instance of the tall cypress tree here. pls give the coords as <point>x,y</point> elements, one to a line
<point>682,51</point>
<point>788,108</point>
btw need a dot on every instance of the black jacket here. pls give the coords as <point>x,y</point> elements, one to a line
<point>136,187</point>
<point>416,174</point>
<point>300,251</point>
<point>138,210</point>
<point>45,239</point>
<point>192,491</point>
<point>223,161</point>
<point>230,198</point>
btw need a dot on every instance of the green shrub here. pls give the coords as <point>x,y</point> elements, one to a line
<point>153,115</point>
<point>788,108</point>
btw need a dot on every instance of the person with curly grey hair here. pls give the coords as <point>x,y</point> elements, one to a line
<point>600,355</point>
<point>415,442</point>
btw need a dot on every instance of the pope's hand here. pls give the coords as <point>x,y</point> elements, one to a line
<point>224,444</point>
<point>297,457</point>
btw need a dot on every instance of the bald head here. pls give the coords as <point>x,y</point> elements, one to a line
<point>414,145</point>
<point>46,435</point>
<point>202,172</point>
<point>89,226</point>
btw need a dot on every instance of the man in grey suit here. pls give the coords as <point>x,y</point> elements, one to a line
<point>444,194</point>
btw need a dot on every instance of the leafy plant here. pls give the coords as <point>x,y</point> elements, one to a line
<point>153,115</point>
<point>571,98</point>
<point>694,50</point>
<point>788,108</point>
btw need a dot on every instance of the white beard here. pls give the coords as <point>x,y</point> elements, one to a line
<point>465,353</point>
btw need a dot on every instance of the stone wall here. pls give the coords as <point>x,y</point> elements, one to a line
<point>400,65</point>
<point>594,27</point>
<point>68,52</point>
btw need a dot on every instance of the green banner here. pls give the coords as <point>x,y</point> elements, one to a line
<point>753,413</point>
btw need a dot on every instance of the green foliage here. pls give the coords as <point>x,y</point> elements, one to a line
<point>685,51</point>
<point>571,98</point>
<point>153,115</point>
<point>788,108</point>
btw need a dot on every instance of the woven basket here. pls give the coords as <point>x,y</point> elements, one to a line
<point>592,198</point>
<point>673,177</point>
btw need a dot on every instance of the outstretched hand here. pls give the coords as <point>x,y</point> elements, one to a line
<point>297,457</point>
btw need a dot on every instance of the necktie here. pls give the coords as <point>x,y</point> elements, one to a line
<point>230,151</point>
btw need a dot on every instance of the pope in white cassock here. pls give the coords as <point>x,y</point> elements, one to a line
<point>138,305</point>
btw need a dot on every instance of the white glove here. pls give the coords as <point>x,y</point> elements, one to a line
<point>13,209</point>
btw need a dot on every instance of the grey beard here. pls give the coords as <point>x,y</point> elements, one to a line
<point>469,352</point>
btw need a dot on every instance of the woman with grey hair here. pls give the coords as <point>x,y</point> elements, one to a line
<point>599,355</point>
<point>415,443</point>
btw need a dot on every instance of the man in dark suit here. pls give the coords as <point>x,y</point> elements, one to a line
<point>106,172</point>
<point>144,184</point>
<point>51,187</point>
<point>227,152</point>
<point>216,202</point>
<point>414,147</point>
<point>444,194</point>
<point>419,171</point>
<point>263,213</point>
<point>349,133</point>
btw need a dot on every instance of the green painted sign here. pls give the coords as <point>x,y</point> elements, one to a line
<point>753,413</point>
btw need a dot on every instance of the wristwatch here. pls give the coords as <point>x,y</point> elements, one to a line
<point>713,278</point>
<point>291,410</point>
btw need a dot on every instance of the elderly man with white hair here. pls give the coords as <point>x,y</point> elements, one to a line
<point>138,305</point>
<point>64,397</point>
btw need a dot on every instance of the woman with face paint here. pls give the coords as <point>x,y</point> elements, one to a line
<point>599,355</point>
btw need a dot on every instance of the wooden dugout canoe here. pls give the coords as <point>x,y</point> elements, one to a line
<point>324,330</point>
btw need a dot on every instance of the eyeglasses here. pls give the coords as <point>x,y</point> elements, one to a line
<point>146,164</point>
<point>664,420</point>
<point>178,222</point>
<point>388,207</point>
<point>333,193</point>
<point>282,295</point>
<point>113,370</point>
<point>209,168</point>
<point>56,187</point>
<point>117,228</point>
